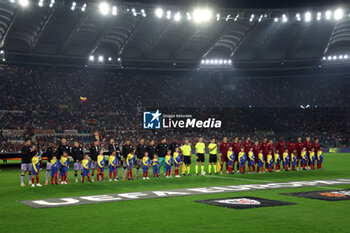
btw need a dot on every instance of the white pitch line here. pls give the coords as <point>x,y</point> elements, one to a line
<point>234,178</point>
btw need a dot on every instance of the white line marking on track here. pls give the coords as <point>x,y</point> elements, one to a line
<point>235,178</point>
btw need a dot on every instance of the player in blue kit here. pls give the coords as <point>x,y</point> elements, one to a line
<point>101,162</point>
<point>64,162</point>
<point>54,169</point>
<point>86,168</point>
<point>177,162</point>
<point>146,162</point>
<point>113,166</point>
<point>168,164</point>
<point>155,164</point>
<point>231,160</point>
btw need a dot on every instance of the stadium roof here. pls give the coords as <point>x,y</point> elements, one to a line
<point>135,36</point>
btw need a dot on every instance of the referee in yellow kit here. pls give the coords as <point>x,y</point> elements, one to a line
<point>200,154</point>
<point>187,153</point>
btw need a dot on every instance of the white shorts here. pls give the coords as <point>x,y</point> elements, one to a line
<point>27,167</point>
<point>78,166</point>
<point>48,166</point>
<point>93,164</point>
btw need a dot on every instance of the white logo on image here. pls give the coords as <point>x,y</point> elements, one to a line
<point>239,201</point>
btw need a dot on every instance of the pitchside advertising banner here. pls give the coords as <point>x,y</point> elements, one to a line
<point>83,200</point>
<point>243,119</point>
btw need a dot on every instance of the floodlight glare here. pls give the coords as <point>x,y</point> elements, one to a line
<point>346,56</point>
<point>104,8</point>
<point>340,57</point>
<point>24,3</point>
<point>159,12</point>
<point>177,16</point>
<point>168,14</point>
<point>338,14</point>
<point>109,59</point>
<point>207,61</point>
<point>276,19</point>
<point>329,58</point>
<point>328,14</point>
<point>334,57</point>
<point>114,10</point>
<point>229,61</point>
<point>189,17</point>
<point>201,15</point>
<point>91,58</point>
<point>100,58</point>
<point>324,58</point>
<point>308,16</point>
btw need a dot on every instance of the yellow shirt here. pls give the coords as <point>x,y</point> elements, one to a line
<point>186,150</point>
<point>214,147</point>
<point>285,155</point>
<point>200,146</point>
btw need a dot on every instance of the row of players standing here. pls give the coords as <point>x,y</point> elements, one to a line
<point>268,146</point>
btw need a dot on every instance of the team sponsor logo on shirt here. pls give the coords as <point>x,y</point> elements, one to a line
<point>328,195</point>
<point>244,202</point>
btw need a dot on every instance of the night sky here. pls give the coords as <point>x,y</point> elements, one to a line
<point>250,3</point>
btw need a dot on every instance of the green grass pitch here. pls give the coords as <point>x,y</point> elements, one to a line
<point>176,214</point>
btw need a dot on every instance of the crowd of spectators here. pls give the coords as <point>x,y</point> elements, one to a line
<point>45,98</point>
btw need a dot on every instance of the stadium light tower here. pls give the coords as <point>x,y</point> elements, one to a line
<point>308,16</point>
<point>338,14</point>
<point>24,3</point>
<point>104,8</point>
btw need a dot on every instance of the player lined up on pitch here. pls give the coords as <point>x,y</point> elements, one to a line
<point>259,159</point>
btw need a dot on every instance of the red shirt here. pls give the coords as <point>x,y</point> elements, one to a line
<point>299,147</point>
<point>316,146</point>
<point>308,145</point>
<point>290,146</point>
<point>271,147</point>
<point>280,146</point>
<point>246,146</point>
<point>264,147</point>
<point>224,147</point>
<point>236,147</point>
<point>256,150</point>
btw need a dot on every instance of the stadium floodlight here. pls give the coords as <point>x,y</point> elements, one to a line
<point>133,10</point>
<point>211,61</point>
<point>104,8</point>
<point>109,59</point>
<point>23,3</point>
<point>308,16</point>
<point>159,12</point>
<point>338,14</point>
<point>225,61</point>
<point>177,16</point>
<point>276,19</point>
<point>228,17</point>
<point>41,3</point>
<point>251,17</point>
<point>220,61</point>
<point>216,61</point>
<point>284,18</point>
<point>298,17</point>
<point>217,17</point>
<point>319,16</point>
<point>114,10</point>
<point>334,57</point>
<point>328,15</point>
<point>340,57</point>
<point>201,15</point>
<point>119,59</point>
<point>53,2</point>
<point>188,15</point>
<point>229,61</point>
<point>207,61</point>
<point>91,58</point>
<point>329,58</point>
<point>346,56</point>
<point>168,14</point>
<point>260,18</point>
<point>324,58</point>
<point>236,18</point>
<point>100,58</point>
<point>1,51</point>
<point>12,1</point>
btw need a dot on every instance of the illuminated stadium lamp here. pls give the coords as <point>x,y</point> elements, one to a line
<point>188,15</point>
<point>276,19</point>
<point>260,18</point>
<point>109,59</point>
<point>338,14</point>
<point>73,6</point>
<point>318,16</point>
<point>104,8</point>
<point>202,61</point>
<point>340,57</point>
<point>346,56</point>
<point>114,10</point>
<point>159,12</point>
<point>328,15</point>
<point>177,16</point>
<point>91,58</point>
<point>236,18</point>
<point>334,57</point>
<point>119,59</point>
<point>168,14</point>
<point>220,61</point>
<point>217,17</point>
<point>24,3</point>
<point>225,61</point>
<point>53,2</point>
<point>329,58</point>
<point>251,18</point>
<point>12,1</point>
<point>100,58</point>
<point>216,61</point>
<point>308,16</point>
<point>228,17</point>
<point>284,18</point>
<point>211,61</point>
<point>324,58</point>
<point>201,15</point>
<point>229,61</point>
<point>207,61</point>
<point>298,17</point>
<point>40,3</point>
<point>133,10</point>
<point>1,51</point>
